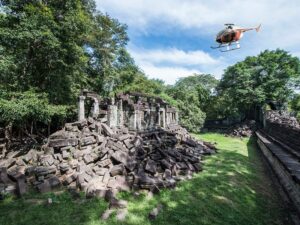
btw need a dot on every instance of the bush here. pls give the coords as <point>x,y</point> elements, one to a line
<point>20,109</point>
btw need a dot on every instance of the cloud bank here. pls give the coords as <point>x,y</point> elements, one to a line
<point>202,19</point>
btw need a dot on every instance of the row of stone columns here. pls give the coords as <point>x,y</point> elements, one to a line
<point>115,115</point>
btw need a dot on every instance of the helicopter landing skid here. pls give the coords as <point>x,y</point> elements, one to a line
<point>227,47</point>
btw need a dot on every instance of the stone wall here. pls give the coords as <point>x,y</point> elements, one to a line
<point>283,127</point>
<point>284,133</point>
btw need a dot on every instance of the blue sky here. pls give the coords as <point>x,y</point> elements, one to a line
<point>172,38</point>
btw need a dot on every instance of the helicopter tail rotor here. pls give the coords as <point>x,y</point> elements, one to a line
<point>258,28</point>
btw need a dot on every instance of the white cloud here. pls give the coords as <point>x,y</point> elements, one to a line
<point>173,56</point>
<point>167,74</point>
<point>201,13</point>
<point>171,64</point>
<point>203,19</point>
<point>279,18</point>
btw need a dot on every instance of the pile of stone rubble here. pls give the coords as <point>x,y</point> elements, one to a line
<point>282,117</point>
<point>90,156</point>
<point>244,129</point>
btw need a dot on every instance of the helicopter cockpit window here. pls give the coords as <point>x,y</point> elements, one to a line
<point>221,33</point>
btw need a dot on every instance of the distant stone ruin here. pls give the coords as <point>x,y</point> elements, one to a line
<point>135,111</point>
<point>130,142</point>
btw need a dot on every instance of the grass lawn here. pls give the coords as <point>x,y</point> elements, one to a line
<point>234,188</point>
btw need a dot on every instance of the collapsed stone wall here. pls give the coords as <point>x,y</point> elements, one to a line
<point>283,127</point>
<point>90,156</point>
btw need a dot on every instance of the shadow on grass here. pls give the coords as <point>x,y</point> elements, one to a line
<point>232,189</point>
<point>33,209</point>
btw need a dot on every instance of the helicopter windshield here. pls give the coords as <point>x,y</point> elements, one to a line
<point>222,32</point>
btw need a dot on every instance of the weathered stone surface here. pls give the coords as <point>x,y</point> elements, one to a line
<point>99,138</point>
<point>30,156</point>
<point>166,164</point>
<point>87,141</point>
<point>44,187</point>
<point>63,142</point>
<point>117,170</point>
<point>101,171</point>
<point>79,124</point>
<point>100,192</point>
<point>21,186</point>
<point>151,166</point>
<point>124,137</point>
<point>64,167</point>
<point>128,143</point>
<point>88,159</point>
<point>3,176</point>
<point>106,130</point>
<point>154,213</point>
<point>111,183</point>
<point>121,183</point>
<point>65,154</point>
<point>58,157</point>
<point>104,163</point>
<point>119,204</point>
<point>41,171</point>
<point>167,174</point>
<point>69,179</point>
<point>106,177</point>
<point>120,157</point>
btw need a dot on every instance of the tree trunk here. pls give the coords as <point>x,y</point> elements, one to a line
<point>8,134</point>
<point>49,128</point>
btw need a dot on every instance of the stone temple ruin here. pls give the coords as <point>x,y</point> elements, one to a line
<point>132,141</point>
<point>135,111</point>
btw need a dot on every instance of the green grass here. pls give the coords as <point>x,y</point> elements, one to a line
<point>234,188</point>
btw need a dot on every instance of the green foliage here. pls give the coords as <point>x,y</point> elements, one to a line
<point>192,96</point>
<point>295,102</point>
<point>272,75</point>
<point>20,108</point>
<point>57,47</point>
<point>295,105</point>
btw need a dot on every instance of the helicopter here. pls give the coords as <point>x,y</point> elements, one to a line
<point>229,37</point>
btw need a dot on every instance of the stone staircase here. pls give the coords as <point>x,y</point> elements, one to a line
<point>285,162</point>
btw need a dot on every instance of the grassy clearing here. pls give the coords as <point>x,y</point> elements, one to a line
<point>233,189</point>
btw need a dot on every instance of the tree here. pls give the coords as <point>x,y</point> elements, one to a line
<point>57,47</point>
<point>295,105</point>
<point>272,75</point>
<point>191,96</point>
<point>203,84</point>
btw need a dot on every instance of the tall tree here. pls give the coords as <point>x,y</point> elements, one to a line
<point>57,47</point>
<point>192,95</point>
<point>272,75</point>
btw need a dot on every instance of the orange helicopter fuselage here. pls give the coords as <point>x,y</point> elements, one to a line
<point>228,36</point>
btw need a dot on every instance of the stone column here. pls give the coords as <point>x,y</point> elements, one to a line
<point>95,112</point>
<point>158,117</point>
<point>138,119</point>
<point>176,117</point>
<point>112,116</point>
<point>164,118</point>
<point>133,121</point>
<point>120,114</point>
<point>81,113</point>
